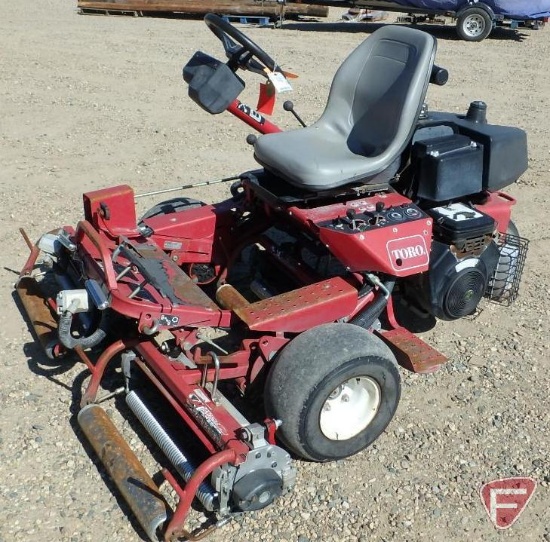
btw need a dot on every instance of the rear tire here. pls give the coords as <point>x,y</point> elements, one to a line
<point>335,387</point>
<point>474,24</point>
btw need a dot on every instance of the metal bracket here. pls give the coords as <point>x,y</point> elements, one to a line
<point>126,360</point>
<point>216,360</point>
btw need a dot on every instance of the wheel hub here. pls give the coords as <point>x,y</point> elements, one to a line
<point>474,25</point>
<point>350,408</point>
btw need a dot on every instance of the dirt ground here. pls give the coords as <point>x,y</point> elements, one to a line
<point>93,101</point>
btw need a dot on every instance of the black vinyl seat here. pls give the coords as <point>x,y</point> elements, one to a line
<point>374,103</point>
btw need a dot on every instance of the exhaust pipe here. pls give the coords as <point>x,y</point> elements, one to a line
<point>39,313</point>
<point>185,469</point>
<point>125,469</point>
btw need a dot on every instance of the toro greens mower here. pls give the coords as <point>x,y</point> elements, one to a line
<point>268,324</point>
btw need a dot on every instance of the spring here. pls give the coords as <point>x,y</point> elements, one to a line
<point>205,493</point>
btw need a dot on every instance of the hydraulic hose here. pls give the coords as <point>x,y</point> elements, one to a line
<point>70,342</point>
<point>373,310</point>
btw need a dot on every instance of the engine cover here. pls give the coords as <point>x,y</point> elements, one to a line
<point>454,287</point>
<point>462,261</point>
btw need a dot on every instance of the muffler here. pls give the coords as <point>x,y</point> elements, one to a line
<point>125,469</point>
<point>39,313</point>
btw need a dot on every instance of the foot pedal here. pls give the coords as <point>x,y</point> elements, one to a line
<point>411,352</point>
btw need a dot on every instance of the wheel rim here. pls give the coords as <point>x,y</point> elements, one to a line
<point>474,25</point>
<point>350,408</point>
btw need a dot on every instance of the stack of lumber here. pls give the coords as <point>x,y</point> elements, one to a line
<point>226,7</point>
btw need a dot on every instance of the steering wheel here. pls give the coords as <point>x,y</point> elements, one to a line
<point>241,50</point>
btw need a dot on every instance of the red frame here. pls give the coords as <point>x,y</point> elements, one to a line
<point>210,234</point>
<point>252,118</point>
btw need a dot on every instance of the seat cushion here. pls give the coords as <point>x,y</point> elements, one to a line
<point>314,159</point>
<point>371,113</point>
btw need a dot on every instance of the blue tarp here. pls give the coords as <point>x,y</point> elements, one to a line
<point>514,9</point>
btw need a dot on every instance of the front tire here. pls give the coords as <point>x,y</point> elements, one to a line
<point>335,387</point>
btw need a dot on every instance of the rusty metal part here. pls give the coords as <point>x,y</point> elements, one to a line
<point>411,352</point>
<point>35,251</point>
<point>229,298</point>
<point>201,535</point>
<point>203,532</point>
<point>39,313</point>
<point>131,478</point>
<point>166,276</point>
<point>29,243</point>
<point>471,247</point>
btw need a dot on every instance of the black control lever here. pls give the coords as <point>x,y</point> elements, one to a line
<point>439,76</point>
<point>289,106</point>
<point>251,139</point>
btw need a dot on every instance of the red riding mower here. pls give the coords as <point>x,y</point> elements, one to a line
<point>268,322</point>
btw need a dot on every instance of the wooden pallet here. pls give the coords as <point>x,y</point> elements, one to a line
<point>260,20</point>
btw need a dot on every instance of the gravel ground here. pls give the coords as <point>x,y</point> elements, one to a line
<point>92,101</point>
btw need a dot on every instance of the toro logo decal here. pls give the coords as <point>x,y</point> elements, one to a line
<point>408,252</point>
<point>505,499</point>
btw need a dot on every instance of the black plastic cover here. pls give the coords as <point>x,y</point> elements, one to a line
<point>449,167</point>
<point>455,223</point>
<point>504,147</point>
<point>453,288</point>
<point>212,84</point>
<point>257,490</point>
<point>504,150</point>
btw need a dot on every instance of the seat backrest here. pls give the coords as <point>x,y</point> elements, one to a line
<point>378,91</point>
